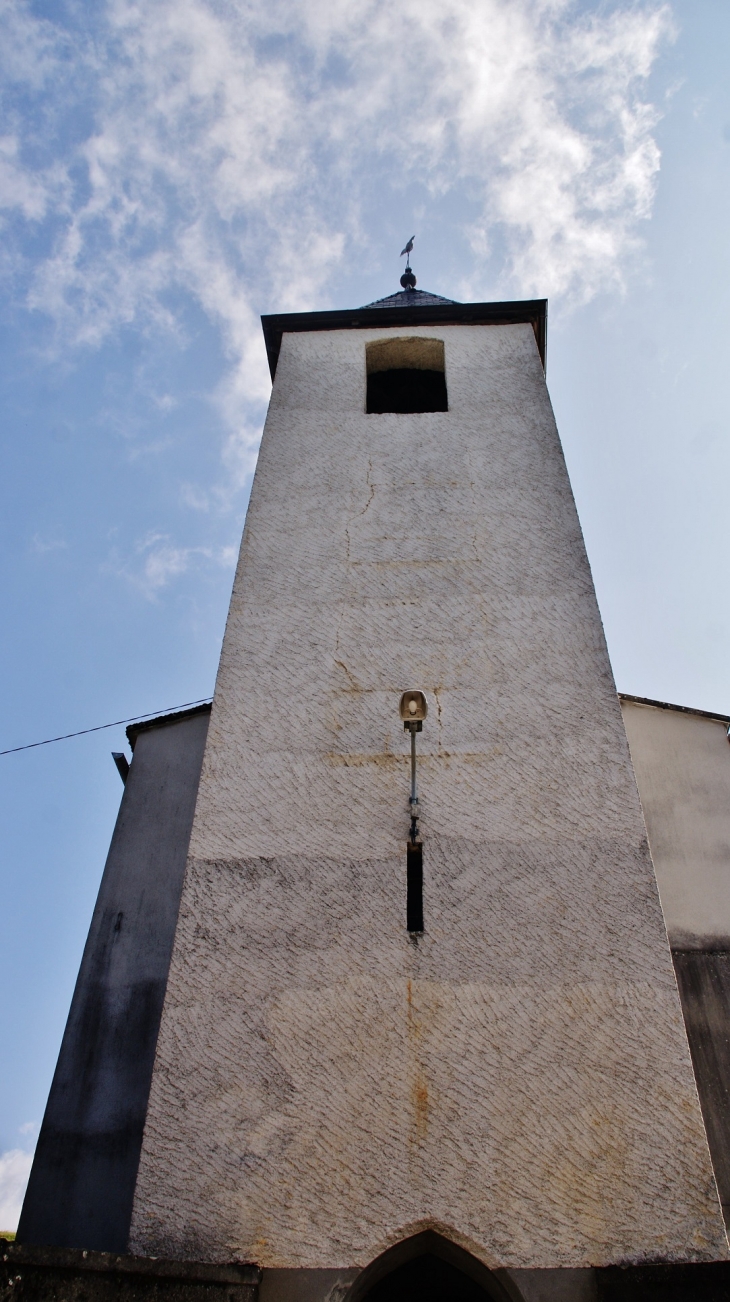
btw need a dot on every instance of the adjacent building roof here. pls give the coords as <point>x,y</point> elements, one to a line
<point>161,721</point>
<point>667,705</point>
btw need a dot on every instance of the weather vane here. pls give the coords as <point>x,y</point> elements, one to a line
<point>408,280</point>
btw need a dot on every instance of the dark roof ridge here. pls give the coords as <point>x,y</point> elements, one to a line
<point>666,705</point>
<point>409,298</point>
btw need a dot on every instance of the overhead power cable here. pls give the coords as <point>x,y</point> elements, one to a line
<point>205,700</point>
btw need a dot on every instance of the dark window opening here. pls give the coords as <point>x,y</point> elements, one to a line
<point>407,390</point>
<point>406,375</point>
<point>414,888</point>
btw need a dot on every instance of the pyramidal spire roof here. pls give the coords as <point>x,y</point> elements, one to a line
<point>410,298</point>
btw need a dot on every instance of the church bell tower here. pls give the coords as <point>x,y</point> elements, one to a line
<point>513,1074</point>
<point>420,1012</point>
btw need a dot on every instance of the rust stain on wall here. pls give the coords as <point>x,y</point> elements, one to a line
<point>419,1095</point>
<point>419,1089</point>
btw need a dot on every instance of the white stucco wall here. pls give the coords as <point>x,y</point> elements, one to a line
<point>682,765</point>
<point>520,1076</point>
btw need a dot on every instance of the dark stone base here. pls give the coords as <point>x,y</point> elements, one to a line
<point>33,1274</point>
<point>701,1282</point>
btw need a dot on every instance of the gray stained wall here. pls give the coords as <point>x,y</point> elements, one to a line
<point>682,764</point>
<point>85,1168</point>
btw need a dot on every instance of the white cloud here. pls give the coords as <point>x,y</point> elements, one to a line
<point>235,149</point>
<point>19,188</point>
<point>41,545</point>
<point>164,562</point>
<point>15,1167</point>
<point>159,560</point>
<point>31,48</point>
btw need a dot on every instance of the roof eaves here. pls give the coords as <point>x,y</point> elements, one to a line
<point>163,720</point>
<point>522,311</point>
<point>666,705</point>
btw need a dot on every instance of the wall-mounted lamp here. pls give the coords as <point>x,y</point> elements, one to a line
<point>413,710</point>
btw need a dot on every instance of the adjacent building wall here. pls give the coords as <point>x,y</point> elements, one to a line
<point>518,1078</point>
<point>84,1171</point>
<point>682,764</point>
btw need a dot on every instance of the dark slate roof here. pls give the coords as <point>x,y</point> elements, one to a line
<point>410,298</point>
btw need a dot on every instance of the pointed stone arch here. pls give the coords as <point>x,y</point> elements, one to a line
<point>428,1267</point>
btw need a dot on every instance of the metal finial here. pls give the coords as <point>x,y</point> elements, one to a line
<point>408,280</point>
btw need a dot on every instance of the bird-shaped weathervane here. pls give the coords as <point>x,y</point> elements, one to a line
<point>408,280</point>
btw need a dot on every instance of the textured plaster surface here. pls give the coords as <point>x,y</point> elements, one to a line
<point>518,1078</point>
<point>682,765</point>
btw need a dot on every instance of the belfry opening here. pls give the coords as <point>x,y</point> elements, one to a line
<point>406,376</point>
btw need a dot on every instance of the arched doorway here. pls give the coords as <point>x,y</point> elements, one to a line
<point>427,1268</point>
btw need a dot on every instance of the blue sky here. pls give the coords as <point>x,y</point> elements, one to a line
<point>169,172</point>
